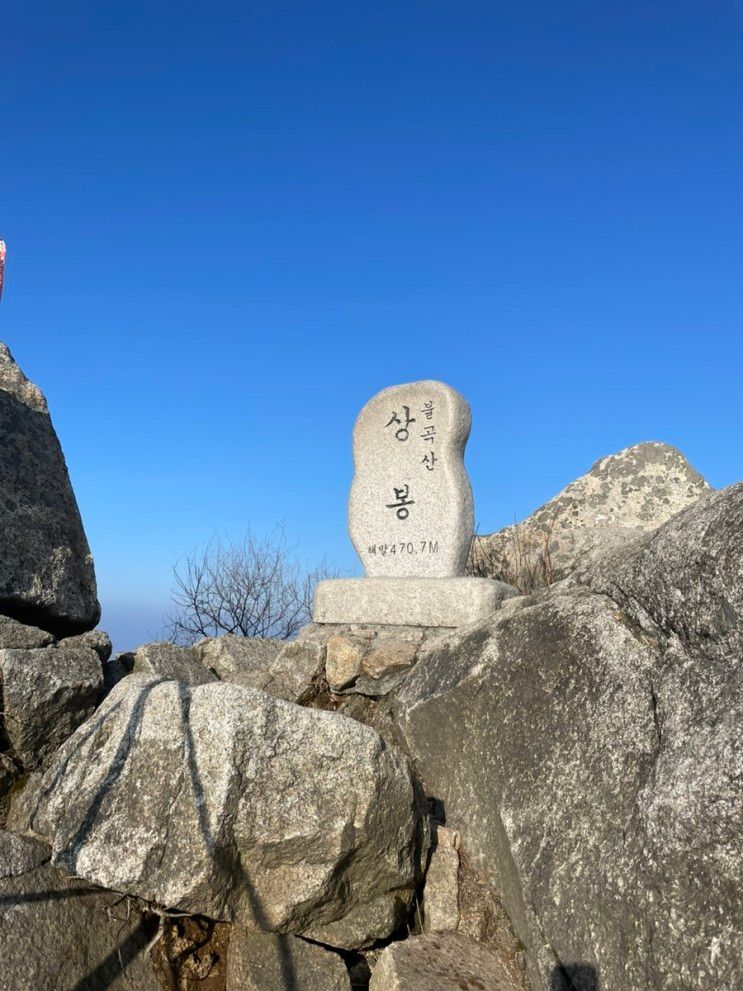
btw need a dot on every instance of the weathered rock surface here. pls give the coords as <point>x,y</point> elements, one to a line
<point>18,636</point>
<point>46,693</point>
<point>21,802</point>
<point>220,800</point>
<point>265,962</point>
<point>231,657</point>
<point>359,659</point>
<point>284,670</point>
<point>46,569</point>
<point>622,497</point>
<point>169,660</point>
<point>444,962</point>
<point>97,640</point>
<point>59,935</point>
<point>686,578</point>
<point>586,747</point>
<point>369,661</point>
<point>441,893</point>
<point>343,657</point>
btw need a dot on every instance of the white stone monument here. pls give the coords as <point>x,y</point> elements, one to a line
<point>410,516</point>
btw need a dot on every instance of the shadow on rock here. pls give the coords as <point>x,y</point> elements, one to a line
<point>574,977</point>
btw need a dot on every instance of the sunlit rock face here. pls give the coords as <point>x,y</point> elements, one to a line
<point>623,496</point>
<point>224,801</point>
<point>585,742</point>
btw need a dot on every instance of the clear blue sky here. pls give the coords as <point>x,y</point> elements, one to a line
<point>229,224</point>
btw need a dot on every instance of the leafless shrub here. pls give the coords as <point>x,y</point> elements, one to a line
<point>253,588</point>
<point>522,558</point>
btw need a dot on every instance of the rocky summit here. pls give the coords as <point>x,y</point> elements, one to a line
<point>622,496</point>
<point>547,798</point>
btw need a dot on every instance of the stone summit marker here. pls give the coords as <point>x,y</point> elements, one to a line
<point>410,516</point>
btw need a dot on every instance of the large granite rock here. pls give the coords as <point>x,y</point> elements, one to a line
<point>59,935</point>
<point>46,569</point>
<point>266,962</point>
<point>220,800</point>
<point>46,693</point>
<point>441,962</point>
<point>622,496</point>
<point>586,745</point>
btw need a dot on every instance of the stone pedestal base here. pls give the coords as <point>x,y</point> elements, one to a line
<point>408,601</point>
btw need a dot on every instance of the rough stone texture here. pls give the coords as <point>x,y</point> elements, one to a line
<point>59,935</point>
<point>97,640</point>
<point>441,962</point>
<point>686,578</point>
<point>408,601</point>
<point>586,747</point>
<point>220,800</point>
<point>441,893</point>
<point>621,497</point>
<point>22,801</point>
<point>342,662</point>
<point>295,667</point>
<point>280,668</point>
<point>9,775</point>
<point>410,512</point>
<point>264,962</point>
<point>230,656</point>
<point>169,660</point>
<point>359,659</point>
<point>46,569</point>
<point>18,636</point>
<point>390,656</point>
<point>46,694</point>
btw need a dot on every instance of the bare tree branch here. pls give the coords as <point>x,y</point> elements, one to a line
<point>254,588</point>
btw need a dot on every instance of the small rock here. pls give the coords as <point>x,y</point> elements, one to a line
<point>441,893</point>
<point>97,640</point>
<point>390,655</point>
<point>230,655</point>
<point>295,667</point>
<point>18,636</point>
<point>443,962</point>
<point>342,662</point>
<point>264,962</point>
<point>170,661</point>
<point>47,693</point>
<point>281,669</point>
